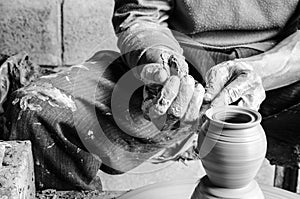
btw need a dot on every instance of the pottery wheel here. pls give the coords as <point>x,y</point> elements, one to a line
<point>184,189</point>
<point>205,189</point>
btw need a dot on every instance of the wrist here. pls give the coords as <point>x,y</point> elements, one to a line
<point>256,63</point>
<point>270,72</point>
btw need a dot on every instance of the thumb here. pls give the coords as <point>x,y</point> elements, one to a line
<point>216,79</point>
<point>235,90</point>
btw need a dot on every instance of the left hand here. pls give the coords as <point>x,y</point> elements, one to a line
<point>172,98</point>
<point>234,81</point>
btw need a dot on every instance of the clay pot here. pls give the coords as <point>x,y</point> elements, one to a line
<point>232,146</point>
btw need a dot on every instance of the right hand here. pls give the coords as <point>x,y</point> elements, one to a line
<point>172,98</point>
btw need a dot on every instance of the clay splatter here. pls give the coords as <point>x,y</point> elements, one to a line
<point>45,92</point>
<point>24,104</point>
<point>37,163</point>
<point>15,101</point>
<point>70,174</point>
<point>80,66</point>
<point>91,134</point>
<point>50,146</point>
<point>34,107</point>
<point>53,104</point>
<point>50,76</point>
<point>68,79</point>
<point>20,115</point>
<point>47,171</point>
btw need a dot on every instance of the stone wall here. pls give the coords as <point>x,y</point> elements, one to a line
<point>56,32</point>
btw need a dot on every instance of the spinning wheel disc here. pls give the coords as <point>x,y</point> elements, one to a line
<point>183,189</point>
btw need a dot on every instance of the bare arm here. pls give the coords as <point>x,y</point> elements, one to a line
<point>142,30</point>
<point>279,66</point>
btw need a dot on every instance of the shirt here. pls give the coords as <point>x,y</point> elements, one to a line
<point>145,27</point>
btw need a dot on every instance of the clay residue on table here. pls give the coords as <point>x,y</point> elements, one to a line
<point>53,194</point>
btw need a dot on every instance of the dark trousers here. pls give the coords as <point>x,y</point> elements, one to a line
<point>89,118</point>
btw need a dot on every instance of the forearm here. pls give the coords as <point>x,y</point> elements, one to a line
<point>279,66</point>
<point>144,43</point>
<point>142,30</point>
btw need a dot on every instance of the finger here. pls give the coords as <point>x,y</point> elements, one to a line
<point>166,96</point>
<point>154,74</point>
<point>253,98</point>
<point>181,102</point>
<point>236,89</point>
<point>216,79</point>
<point>192,113</point>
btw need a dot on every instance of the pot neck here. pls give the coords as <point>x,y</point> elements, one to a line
<point>233,117</point>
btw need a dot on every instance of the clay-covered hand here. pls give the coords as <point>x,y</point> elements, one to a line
<point>234,82</point>
<point>171,96</point>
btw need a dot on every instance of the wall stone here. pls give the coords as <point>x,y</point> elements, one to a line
<point>87,28</point>
<point>32,26</point>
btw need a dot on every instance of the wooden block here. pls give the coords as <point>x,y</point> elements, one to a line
<point>286,178</point>
<point>17,172</point>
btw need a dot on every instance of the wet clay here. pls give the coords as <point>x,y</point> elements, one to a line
<point>232,146</point>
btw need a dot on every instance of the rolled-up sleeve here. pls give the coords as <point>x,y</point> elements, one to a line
<point>142,30</point>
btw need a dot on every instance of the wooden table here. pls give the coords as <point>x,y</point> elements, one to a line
<point>183,190</point>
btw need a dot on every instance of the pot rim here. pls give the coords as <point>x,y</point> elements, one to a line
<point>218,116</point>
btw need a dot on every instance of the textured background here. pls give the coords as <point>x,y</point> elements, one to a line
<point>56,32</point>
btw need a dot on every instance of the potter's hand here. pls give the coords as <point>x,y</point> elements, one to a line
<point>171,96</point>
<point>234,81</point>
